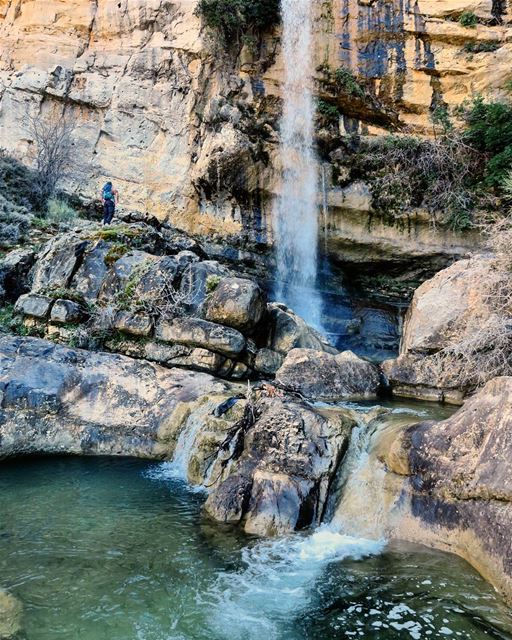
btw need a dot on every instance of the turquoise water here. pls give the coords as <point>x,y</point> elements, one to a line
<point>103,549</point>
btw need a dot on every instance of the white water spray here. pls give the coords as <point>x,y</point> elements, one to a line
<point>295,209</point>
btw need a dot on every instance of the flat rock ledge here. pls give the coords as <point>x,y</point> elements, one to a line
<point>57,400</point>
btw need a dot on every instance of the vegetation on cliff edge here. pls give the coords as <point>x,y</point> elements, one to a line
<point>233,19</point>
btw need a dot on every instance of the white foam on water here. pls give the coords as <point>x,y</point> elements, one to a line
<point>278,581</point>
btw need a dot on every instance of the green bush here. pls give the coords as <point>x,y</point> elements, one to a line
<point>329,111</point>
<point>489,130</point>
<point>468,19</point>
<point>482,47</point>
<point>212,282</point>
<point>348,83</point>
<point>236,18</point>
<point>59,211</point>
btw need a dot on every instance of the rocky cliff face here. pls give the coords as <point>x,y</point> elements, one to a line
<point>189,132</point>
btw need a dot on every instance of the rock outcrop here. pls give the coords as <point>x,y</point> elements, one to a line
<point>444,484</point>
<point>56,400</point>
<point>443,312</point>
<point>14,270</point>
<point>280,481</point>
<point>461,482</point>
<point>134,290</point>
<point>321,376</point>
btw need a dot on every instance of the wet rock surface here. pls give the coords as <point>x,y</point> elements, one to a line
<point>267,460</point>
<point>461,481</point>
<point>323,376</point>
<point>278,479</point>
<point>59,400</point>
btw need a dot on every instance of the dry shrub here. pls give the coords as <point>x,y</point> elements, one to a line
<point>485,350</point>
<point>54,152</point>
<point>407,172</point>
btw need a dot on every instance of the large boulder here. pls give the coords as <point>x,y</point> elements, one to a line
<point>56,400</point>
<point>444,312</point>
<point>195,281</point>
<point>443,307</point>
<point>34,305</point>
<point>323,376</point>
<point>58,262</point>
<point>93,269</point>
<point>285,330</point>
<point>203,334</point>
<point>277,482</point>
<point>237,303</point>
<point>124,276</point>
<point>14,270</point>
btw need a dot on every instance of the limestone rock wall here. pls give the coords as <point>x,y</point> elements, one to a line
<point>189,133</point>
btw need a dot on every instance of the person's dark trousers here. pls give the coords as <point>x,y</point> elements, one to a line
<point>109,208</point>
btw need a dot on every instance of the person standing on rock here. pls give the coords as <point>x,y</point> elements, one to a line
<point>109,199</point>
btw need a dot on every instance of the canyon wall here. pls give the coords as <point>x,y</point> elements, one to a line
<point>188,131</point>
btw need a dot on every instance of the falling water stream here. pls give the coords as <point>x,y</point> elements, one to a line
<point>295,209</point>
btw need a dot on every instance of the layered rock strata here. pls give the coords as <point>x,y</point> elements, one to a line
<point>188,132</point>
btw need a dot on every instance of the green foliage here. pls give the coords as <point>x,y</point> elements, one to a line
<point>482,47</point>
<point>405,172</point>
<point>59,211</point>
<point>348,83</point>
<point>441,116</point>
<point>507,184</point>
<point>116,233</point>
<point>12,323</point>
<point>329,111</point>
<point>116,252</point>
<point>489,130</point>
<point>126,299</point>
<point>460,220</point>
<point>236,18</point>
<point>468,19</point>
<point>6,318</point>
<point>61,293</point>
<point>212,282</point>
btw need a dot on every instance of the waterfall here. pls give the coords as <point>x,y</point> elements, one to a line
<point>178,467</point>
<point>325,204</point>
<point>295,208</point>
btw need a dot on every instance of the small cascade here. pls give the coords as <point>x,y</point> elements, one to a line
<point>295,209</point>
<point>365,502</point>
<point>178,467</point>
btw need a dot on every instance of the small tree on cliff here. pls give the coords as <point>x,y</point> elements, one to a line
<point>54,153</point>
<point>234,19</point>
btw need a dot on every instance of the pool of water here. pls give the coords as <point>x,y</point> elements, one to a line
<point>103,549</point>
